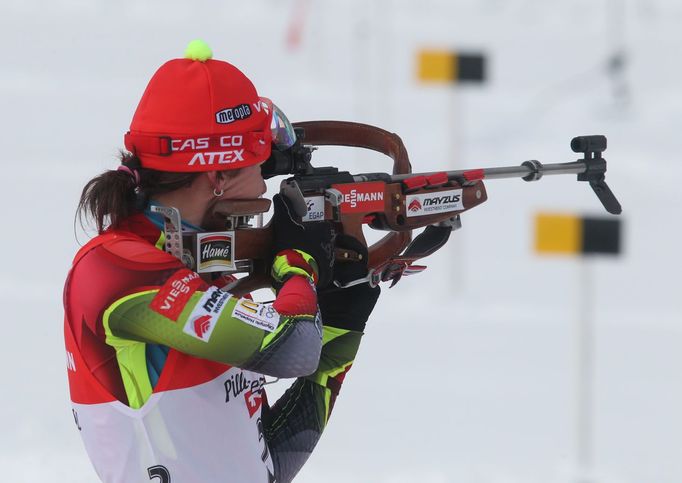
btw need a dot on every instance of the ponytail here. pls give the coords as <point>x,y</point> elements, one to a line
<point>116,194</point>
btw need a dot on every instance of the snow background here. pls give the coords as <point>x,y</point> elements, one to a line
<point>467,372</point>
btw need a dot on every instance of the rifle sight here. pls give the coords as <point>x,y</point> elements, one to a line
<point>588,144</point>
<point>294,160</point>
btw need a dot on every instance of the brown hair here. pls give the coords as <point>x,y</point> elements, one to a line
<point>114,195</point>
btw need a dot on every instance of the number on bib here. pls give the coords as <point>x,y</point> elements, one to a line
<point>160,472</point>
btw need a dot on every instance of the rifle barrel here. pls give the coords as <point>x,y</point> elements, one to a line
<point>527,169</point>
<point>522,171</point>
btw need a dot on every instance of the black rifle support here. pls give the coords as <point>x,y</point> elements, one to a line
<point>595,172</point>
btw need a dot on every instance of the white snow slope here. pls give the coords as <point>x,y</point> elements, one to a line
<point>467,371</point>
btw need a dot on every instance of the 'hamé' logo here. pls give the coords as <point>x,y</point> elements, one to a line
<point>215,251</point>
<point>201,325</point>
<point>415,205</point>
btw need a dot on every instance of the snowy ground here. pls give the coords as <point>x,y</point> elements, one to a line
<point>467,372</point>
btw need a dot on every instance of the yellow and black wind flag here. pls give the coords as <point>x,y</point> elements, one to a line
<point>571,234</point>
<point>445,67</point>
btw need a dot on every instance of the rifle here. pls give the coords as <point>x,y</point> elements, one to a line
<point>397,203</point>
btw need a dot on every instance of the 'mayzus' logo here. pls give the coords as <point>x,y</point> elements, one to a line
<point>442,200</point>
<point>215,301</point>
<point>204,317</point>
<point>423,204</point>
<point>201,325</point>
<point>232,114</point>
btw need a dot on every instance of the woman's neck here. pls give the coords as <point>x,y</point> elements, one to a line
<point>191,206</point>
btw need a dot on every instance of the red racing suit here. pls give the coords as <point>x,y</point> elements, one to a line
<point>166,371</point>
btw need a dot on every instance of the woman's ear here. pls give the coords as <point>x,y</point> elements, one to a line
<point>217,180</point>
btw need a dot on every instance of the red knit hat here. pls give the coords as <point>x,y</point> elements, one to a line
<point>199,114</point>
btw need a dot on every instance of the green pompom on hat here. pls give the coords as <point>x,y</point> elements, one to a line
<point>198,50</point>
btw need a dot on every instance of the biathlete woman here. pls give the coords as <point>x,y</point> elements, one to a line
<point>166,367</point>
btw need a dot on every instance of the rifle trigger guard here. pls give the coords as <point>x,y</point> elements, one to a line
<point>373,277</point>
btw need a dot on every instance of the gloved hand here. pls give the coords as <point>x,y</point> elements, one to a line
<point>291,237</point>
<point>348,308</point>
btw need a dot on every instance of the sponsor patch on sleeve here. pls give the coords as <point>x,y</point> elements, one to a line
<point>175,293</point>
<point>206,313</point>
<point>261,316</point>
